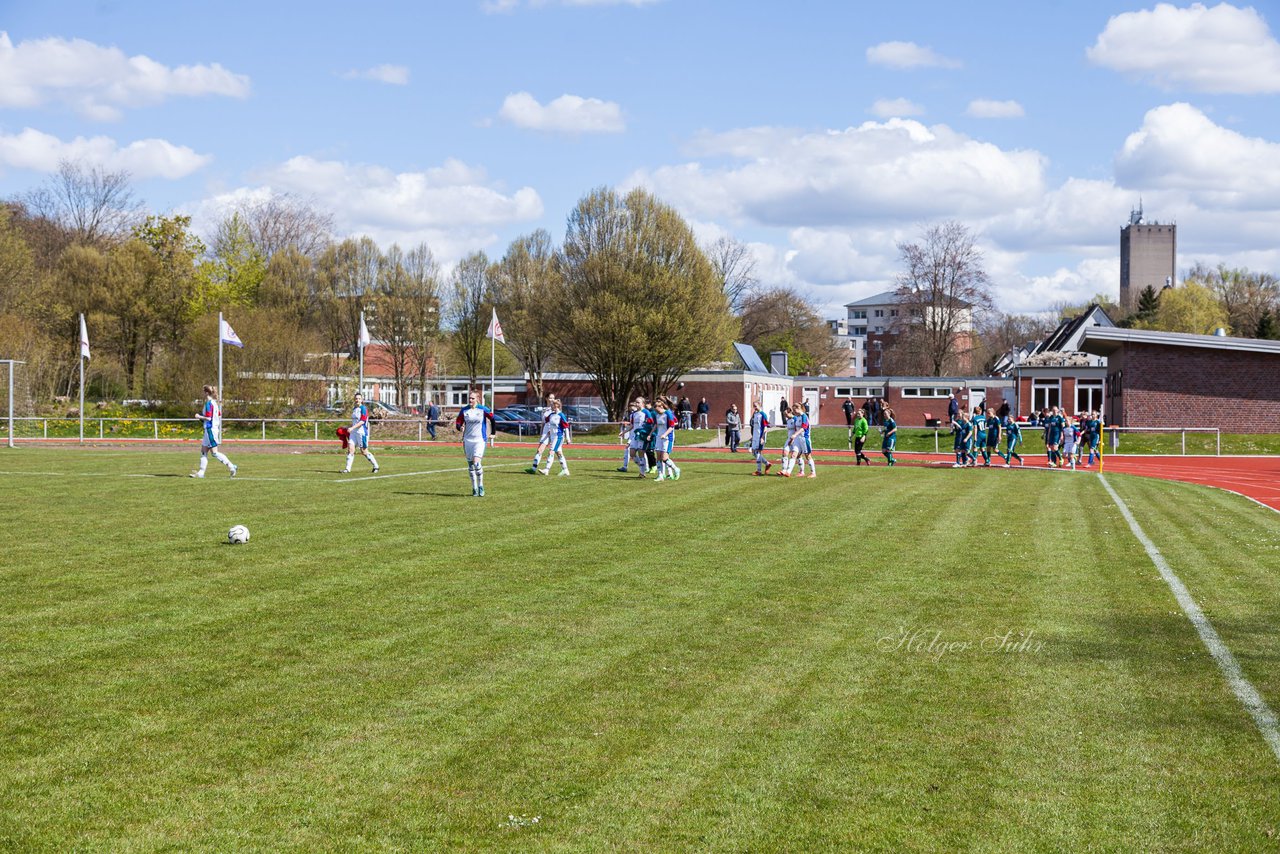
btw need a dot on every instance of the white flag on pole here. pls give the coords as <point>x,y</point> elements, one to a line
<point>229,336</point>
<point>364,339</point>
<point>495,329</point>
<point>84,339</point>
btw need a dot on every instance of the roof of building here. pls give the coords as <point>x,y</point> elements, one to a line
<point>882,298</point>
<point>1070,331</point>
<point>1104,341</point>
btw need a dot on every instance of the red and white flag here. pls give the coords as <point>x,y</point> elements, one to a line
<point>495,329</point>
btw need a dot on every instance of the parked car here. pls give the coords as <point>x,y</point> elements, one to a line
<point>515,420</point>
<point>588,413</point>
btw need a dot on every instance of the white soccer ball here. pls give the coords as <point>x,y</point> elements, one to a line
<point>238,534</point>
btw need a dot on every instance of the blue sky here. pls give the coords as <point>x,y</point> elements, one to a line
<point>820,133</point>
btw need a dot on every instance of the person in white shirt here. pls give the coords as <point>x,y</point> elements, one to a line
<point>358,437</point>
<point>210,416</point>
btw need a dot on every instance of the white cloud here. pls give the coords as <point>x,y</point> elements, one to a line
<point>1180,148</point>
<point>145,158</point>
<point>1222,49</point>
<point>895,171</point>
<point>99,81</point>
<point>1015,292</point>
<point>566,114</point>
<point>983,108</point>
<point>395,75</point>
<point>903,55</point>
<point>454,207</point>
<point>840,257</point>
<point>887,108</point>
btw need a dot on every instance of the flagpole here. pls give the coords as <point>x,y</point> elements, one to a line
<point>219,358</point>
<point>493,390</point>
<point>360,342</point>
<point>81,361</point>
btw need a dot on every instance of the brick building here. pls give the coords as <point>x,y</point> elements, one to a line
<point>1173,379</point>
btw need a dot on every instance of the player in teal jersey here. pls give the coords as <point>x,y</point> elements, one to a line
<point>963,431</point>
<point>1012,439</point>
<point>1053,427</point>
<point>978,443</point>
<point>993,438</point>
<point>1093,435</point>
<point>889,428</point>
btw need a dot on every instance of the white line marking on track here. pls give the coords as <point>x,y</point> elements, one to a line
<point>1240,685</point>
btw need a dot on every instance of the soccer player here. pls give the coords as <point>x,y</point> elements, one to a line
<point>547,439</point>
<point>642,424</point>
<point>759,431</point>
<point>804,440</point>
<point>993,438</point>
<point>791,447</point>
<point>665,441</point>
<point>889,428</point>
<point>1053,427</point>
<point>624,436</point>
<point>1093,432</point>
<point>963,431</point>
<point>358,440</point>
<point>557,426</point>
<point>1070,432</point>
<point>475,421</point>
<point>1012,439</point>
<point>860,430</point>
<point>210,416</point>
<point>978,436</point>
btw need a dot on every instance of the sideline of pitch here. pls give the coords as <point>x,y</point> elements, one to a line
<point>1245,692</point>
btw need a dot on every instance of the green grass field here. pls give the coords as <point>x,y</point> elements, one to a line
<point>906,659</point>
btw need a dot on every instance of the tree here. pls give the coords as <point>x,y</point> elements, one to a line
<point>1148,305</point>
<point>997,333</point>
<point>735,266</point>
<point>1068,309</point>
<point>235,269</point>
<point>782,319</point>
<point>468,314</point>
<point>521,284</point>
<point>346,279</point>
<point>283,221</point>
<point>1190,307</point>
<point>941,288</point>
<point>288,284</point>
<point>638,303</point>
<point>16,266</point>
<point>1243,295</point>
<point>94,205</point>
<point>1267,327</point>
<point>408,316</point>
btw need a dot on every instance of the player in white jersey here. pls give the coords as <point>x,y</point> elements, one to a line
<point>358,435</point>
<point>475,421</point>
<point>210,416</point>
<point>624,436</point>
<point>804,440</point>
<point>792,448</point>
<point>548,437</point>
<point>665,424</point>
<point>642,425</point>
<point>759,432</point>
<point>558,425</point>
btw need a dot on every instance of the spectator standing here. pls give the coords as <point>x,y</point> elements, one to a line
<point>685,410</point>
<point>433,415</point>
<point>1003,412</point>
<point>732,429</point>
<point>953,409</point>
<point>704,412</point>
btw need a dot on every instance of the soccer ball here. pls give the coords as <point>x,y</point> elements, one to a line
<point>238,534</point>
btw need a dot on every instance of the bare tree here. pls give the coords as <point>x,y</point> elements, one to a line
<point>943,286</point>
<point>468,314</point>
<point>283,220</point>
<point>95,206</point>
<point>1244,295</point>
<point>735,266</point>
<point>522,283</point>
<point>346,279</point>
<point>407,314</point>
<point>782,319</point>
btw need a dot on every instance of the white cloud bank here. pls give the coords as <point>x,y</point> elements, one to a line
<point>566,114</point>
<point>905,55</point>
<point>98,82</point>
<point>454,207</point>
<point>144,158</point>
<point>395,75</point>
<point>1223,49</point>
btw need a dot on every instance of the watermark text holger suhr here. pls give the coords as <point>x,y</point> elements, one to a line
<point>933,644</point>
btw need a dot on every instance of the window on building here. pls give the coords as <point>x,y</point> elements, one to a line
<point>893,312</point>
<point>859,314</point>
<point>458,397</point>
<point>928,391</point>
<point>860,330</point>
<point>1088,395</point>
<point>879,312</point>
<point>1045,394</point>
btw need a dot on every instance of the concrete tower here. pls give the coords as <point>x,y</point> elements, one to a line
<point>1148,253</point>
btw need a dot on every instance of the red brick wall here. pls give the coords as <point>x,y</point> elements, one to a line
<point>1163,386</point>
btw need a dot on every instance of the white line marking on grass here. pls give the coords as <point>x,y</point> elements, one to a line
<point>1248,695</point>
<point>415,473</point>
